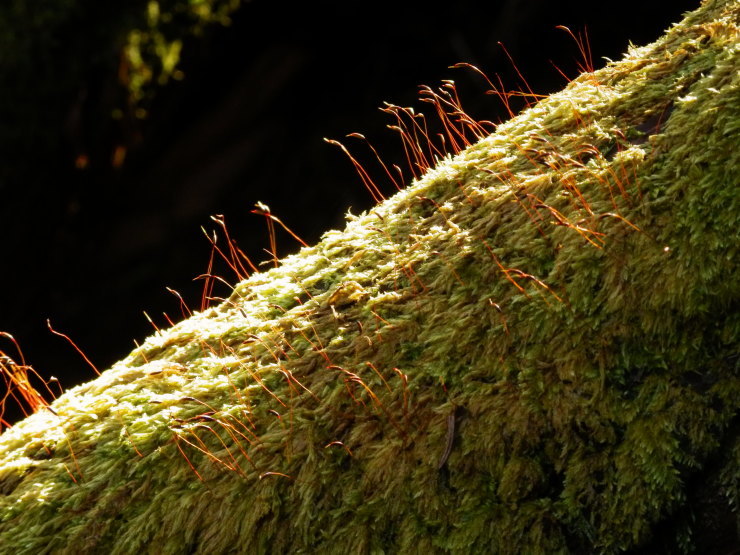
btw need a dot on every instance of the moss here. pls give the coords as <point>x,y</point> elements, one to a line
<point>542,359</point>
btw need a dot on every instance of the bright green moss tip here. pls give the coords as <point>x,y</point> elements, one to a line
<point>532,349</point>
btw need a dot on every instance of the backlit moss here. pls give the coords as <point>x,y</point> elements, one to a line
<point>540,360</point>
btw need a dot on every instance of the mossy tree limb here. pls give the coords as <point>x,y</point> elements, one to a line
<point>533,348</point>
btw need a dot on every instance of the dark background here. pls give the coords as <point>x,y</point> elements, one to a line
<point>92,248</point>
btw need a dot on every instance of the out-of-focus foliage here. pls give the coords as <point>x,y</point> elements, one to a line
<point>152,50</point>
<point>68,60</point>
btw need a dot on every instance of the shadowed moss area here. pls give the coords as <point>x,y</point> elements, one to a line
<point>531,349</point>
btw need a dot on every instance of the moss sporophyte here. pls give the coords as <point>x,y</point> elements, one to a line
<point>531,348</point>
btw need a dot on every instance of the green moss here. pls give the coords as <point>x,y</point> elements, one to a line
<point>569,303</point>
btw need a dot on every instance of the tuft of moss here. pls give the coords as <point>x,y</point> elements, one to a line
<point>531,349</point>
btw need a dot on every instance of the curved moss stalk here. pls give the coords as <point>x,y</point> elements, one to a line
<point>531,349</point>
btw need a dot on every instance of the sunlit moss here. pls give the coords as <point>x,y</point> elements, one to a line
<point>531,349</point>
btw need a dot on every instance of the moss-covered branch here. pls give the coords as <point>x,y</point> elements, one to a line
<point>531,349</point>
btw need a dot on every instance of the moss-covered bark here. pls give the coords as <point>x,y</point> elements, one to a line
<point>531,349</point>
